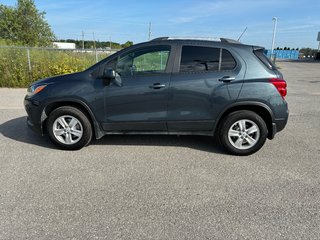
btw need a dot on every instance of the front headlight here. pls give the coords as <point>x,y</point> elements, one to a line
<point>34,89</point>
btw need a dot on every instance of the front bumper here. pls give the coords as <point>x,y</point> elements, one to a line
<point>34,112</point>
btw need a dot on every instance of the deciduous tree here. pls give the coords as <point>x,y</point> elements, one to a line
<point>25,24</point>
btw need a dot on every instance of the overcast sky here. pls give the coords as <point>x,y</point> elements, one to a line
<point>298,20</point>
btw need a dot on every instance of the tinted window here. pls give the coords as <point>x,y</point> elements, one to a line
<point>198,59</point>
<point>148,60</point>
<point>228,62</point>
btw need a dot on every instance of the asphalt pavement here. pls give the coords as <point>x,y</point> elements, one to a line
<point>164,187</point>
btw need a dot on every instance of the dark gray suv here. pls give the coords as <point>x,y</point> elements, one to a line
<point>166,86</point>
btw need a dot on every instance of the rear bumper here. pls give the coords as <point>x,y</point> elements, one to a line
<point>280,124</point>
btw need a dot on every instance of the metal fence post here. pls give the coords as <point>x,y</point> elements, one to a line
<point>29,61</point>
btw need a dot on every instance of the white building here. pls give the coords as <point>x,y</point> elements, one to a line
<point>64,45</point>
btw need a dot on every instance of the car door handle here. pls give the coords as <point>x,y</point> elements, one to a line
<point>226,79</point>
<point>157,86</point>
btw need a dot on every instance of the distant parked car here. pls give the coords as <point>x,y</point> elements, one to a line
<point>166,86</point>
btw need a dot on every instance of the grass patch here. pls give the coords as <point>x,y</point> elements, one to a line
<point>14,67</point>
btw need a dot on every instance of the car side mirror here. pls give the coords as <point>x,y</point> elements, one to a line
<point>109,74</point>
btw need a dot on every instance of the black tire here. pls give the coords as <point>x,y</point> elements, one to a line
<point>232,121</point>
<point>84,125</point>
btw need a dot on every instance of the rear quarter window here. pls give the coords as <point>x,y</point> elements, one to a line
<point>228,62</point>
<point>264,59</point>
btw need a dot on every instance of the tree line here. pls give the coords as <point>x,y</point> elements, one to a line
<point>286,48</point>
<point>87,44</point>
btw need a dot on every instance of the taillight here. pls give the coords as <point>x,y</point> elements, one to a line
<point>280,85</point>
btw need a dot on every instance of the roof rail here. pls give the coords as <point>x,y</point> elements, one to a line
<point>194,38</point>
<point>223,40</point>
<point>186,38</point>
<point>160,39</point>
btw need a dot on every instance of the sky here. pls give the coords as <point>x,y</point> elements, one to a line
<point>298,20</point>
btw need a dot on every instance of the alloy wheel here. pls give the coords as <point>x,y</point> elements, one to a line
<point>67,129</point>
<point>244,134</point>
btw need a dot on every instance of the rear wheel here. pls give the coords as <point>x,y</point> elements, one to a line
<point>69,128</point>
<point>243,132</point>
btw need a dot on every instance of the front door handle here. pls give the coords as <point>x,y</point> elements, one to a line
<point>157,86</point>
<point>226,79</point>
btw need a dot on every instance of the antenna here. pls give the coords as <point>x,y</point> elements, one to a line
<point>242,33</point>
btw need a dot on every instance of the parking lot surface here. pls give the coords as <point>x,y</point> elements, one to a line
<point>164,187</point>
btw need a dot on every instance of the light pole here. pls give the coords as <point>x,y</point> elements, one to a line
<point>274,33</point>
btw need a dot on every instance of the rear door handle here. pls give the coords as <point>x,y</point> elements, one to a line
<point>157,86</point>
<point>226,79</point>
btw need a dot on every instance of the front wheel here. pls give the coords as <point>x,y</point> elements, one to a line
<point>243,132</point>
<point>69,128</point>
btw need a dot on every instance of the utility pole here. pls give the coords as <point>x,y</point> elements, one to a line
<point>82,40</point>
<point>95,47</point>
<point>149,34</point>
<point>318,39</point>
<point>110,42</point>
<point>94,41</point>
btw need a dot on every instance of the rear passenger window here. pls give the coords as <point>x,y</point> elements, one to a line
<point>201,59</point>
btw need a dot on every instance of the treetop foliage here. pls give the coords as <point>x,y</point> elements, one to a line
<point>25,24</point>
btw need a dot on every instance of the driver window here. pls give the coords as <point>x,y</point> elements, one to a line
<point>143,61</point>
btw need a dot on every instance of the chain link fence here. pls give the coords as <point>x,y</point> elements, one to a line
<point>19,66</point>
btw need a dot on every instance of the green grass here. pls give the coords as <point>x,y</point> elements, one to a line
<point>14,68</point>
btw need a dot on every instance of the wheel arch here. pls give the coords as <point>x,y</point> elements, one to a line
<point>261,109</point>
<point>76,104</point>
